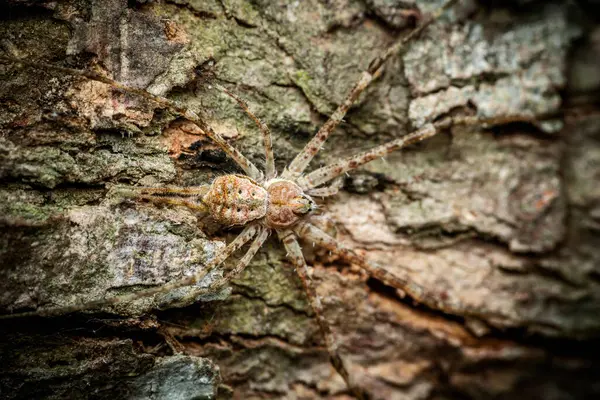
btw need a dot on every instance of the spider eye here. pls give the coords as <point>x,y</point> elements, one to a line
<point>240,191</point>
<point>239,209</point>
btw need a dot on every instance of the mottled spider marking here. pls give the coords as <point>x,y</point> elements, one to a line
<point>236,200</point>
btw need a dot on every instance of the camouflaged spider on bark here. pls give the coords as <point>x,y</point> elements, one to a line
<point>263,202</point>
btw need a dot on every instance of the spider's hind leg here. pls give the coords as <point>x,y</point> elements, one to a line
<point>294,253</point>
<point>190,197</point>
<point>219,284</point>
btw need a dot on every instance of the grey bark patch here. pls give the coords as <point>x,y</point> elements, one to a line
<point>116,33</point>
<point>177,377</point>
<point>516,72</point>
<point>95,252</point>
<point>84,159</point>
<point>45,367</point>
<point>397,14</point>
<point>58,366</point>
<point>465,183</point>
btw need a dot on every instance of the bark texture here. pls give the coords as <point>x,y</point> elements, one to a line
<point>502,225</point>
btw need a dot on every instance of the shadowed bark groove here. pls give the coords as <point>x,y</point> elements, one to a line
<point>505,221</point>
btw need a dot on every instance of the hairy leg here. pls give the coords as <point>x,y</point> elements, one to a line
<point>219,284</point>
<point>190,197</point>
<point>324,174</point>
<point>264,129</point>
<point>327,191</point>
<point>331,171</point>
<point>247,234</point>
<point>312,234</point>
<point>248,167</point>
<point>294,253</point>
<point>299,164</point>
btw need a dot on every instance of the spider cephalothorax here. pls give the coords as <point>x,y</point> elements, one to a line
<point>287,203</point>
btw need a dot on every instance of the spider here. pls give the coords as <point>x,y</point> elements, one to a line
<point>265,202</point>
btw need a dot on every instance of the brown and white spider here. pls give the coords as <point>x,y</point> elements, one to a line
<point>265,202</point>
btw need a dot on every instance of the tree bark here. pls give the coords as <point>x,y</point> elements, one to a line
<point>500,224</point>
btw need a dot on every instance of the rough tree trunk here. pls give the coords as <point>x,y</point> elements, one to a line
<point>501,226</point>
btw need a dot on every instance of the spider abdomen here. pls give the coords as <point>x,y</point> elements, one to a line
<point>236,200</point>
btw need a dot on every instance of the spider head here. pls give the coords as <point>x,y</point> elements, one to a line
<point>302,204</point>
<point>287,203</point>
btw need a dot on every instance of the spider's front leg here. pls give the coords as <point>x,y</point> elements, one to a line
<point>311,182</point>
<point>301,161</point>
<point>327,191</point>
<point>294,253</point>
<point>325,174</point>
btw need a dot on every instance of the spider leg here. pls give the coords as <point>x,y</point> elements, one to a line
<point>247,234</point>
<point>297,258</point>
<point>248,167</point>
<point>327,191</point>
<point>175,202</point>
<point>299,164</point>
<point>189,197</point>
<point>324,174</point>
<point>331,171</point>
<point>194,192</point>
<point>264,129</point>
<point>220,283</point>
<point>311,233</point>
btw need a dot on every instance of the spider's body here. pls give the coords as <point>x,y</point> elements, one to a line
<point>236,200</point>
<point>287,204</point>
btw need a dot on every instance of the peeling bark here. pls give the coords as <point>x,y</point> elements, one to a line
<point>500,224</point>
